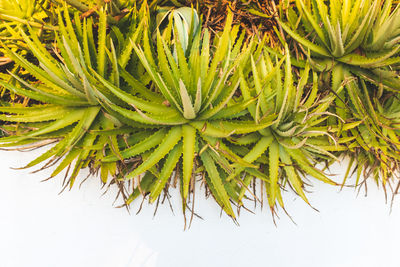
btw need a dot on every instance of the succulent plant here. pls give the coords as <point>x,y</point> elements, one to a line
<point>193,108</point>
<point>299,138</point>
<point>344,36</point>
<point>145,94</point>
<point>69,110</point>
<point>354,44</point>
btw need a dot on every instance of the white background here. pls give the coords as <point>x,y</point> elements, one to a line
<point>81,228</point>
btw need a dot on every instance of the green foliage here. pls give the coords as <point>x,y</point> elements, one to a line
<point>16,14</point>
<point>69,96</point>
<point>355,45</point>
<point>348,33</point>
<point>141,93</point>
<point>193,107</point>
<point>299,137</point>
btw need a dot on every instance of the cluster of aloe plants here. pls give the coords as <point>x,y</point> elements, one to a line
<point>145,97</point>
<point>355,44</point>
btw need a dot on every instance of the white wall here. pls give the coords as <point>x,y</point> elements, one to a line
<point>81,228</point>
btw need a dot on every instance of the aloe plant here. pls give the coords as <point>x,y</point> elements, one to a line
<point>69,110</point>
<point>193,109</point>
<point>354,44</point>
<point>338,34</point>
<point>299,138</point>
<point>375,144</point>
